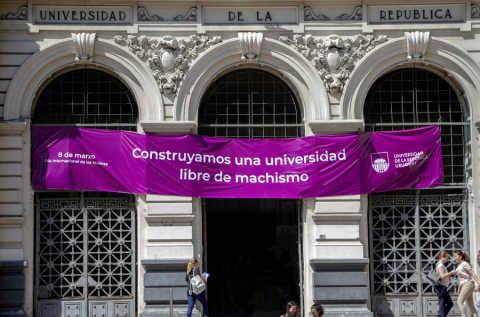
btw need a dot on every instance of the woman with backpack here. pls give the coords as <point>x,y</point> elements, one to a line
<point>466,279</point>
<point>444,300</point>
<point>192,272</point>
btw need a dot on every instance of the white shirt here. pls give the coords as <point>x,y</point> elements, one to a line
<point>446,280</point>
<point>462,274</point>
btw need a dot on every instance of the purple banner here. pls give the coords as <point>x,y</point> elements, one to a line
<point>199,166</point>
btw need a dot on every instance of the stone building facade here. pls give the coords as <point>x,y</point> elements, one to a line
<point>153,66</point>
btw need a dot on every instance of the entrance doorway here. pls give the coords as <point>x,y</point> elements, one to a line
<point>85,257</point>
<point>252,254</point>
<point>409,228</point>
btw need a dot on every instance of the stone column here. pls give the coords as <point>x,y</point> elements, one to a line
<point>16,238</point>
<point>169,234</point>
<point>338,247</point>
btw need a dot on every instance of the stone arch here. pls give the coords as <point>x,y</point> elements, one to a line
<point>58,56</point>
<point>295,69</point>
<point>455,63</point>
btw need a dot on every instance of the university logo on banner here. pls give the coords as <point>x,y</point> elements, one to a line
<point>380,162</point>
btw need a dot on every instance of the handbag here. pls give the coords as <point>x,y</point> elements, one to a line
<point>197,285</point>
<point>434,277</point>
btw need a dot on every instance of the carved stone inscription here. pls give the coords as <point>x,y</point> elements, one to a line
<point>257,15</point>
<point>445,13</point>
<point>49,14</point>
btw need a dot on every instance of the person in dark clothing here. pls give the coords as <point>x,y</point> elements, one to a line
<point>193,270</point>
<point>444,301</point>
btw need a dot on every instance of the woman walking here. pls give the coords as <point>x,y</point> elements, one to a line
<point>444,300</point>
<point>292,310</point>
<point>193,270</point>
<point>466,288</point>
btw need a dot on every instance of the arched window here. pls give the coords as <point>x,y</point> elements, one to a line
<point>410,98</point>
<point>409,228</point>
<point>85,241</point>
<point>250,104</point>
<point>87,98</point>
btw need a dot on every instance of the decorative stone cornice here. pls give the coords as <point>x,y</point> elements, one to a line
<point>190,16</point>
<point>164,264</point>
<point>15,128</point>
<point>322,218</point>
<point>250,44</point>
<point>22,14</point>
<point>417,45</point>
<point>12,221</point>
<point>180,127</point>
<point>356,15</point>
<point>475,11</point>
<point>169,219</point>
<point>334,57</point>
<point>143,15</point>
<point>83,44</point>
<point>336,126</point>
<point>308,15</point>
<point>341,264</point>
<point>169,58</point>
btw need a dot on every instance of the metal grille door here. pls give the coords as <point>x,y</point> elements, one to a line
<point>408,230</point>
<point>406,234</point>
<point>85,263</point>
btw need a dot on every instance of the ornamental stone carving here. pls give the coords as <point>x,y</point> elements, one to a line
<point>191,15</point>
<point>470,187</point>
<point>83,45</point>
<point>417,45</point>
<point>22,14</point>
<point>356,15</point>
<point>143,15</point>
<point>334,57</point>
<point>475,11</point>
<point>308,15</point>
<point>168,58</point>
<point>250,44</point>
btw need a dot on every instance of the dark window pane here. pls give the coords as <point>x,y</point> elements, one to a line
<point>268,119</point>
<point>78,94</point>
<point>269,132</point>
<point>232,119</point>
<point>254,98</point>
<point>243,119</point>
<point>280,132</point>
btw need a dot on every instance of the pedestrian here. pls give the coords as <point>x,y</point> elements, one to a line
<point>292,310</point>
<point>466,279</point>
<point>316,310</point>
<point>193,270</point>
<point>478,297</point>
<point>444,300</point>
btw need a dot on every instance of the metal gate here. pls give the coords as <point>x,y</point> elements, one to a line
<point>85,255</point>
<point>406,234</point>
